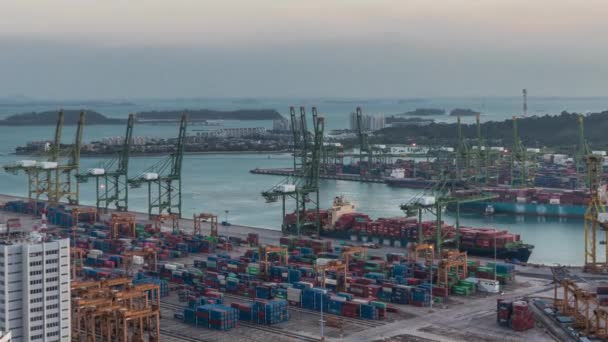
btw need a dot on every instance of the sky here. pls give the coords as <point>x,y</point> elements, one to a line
<point>94,49</point>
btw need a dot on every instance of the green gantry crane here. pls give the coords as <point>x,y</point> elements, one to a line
<point>166,179</point>
<point>582,152</point>
<point>65,184</point>
<point>39,178</point>
<point>518,160</point>
<point>463,154</point>
<point>295,131</point>
<point>303,185</point>
<point>111,177</point>
<point>434,201</point>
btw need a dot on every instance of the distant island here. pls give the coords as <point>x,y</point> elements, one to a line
<point>94,118</point>
<point>206,114</point>
<point>425,112</point>
<point>70,117</point>
<point>395,121</point>
<point>548,130</point>
<point>463,112</point>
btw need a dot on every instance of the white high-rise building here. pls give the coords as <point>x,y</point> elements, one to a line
<point>35,290</point>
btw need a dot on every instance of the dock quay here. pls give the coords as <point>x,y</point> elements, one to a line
<point>339,176</point>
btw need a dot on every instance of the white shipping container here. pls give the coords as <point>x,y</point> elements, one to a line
<point>554,201</point>
<point>533,150</point>
<point>489,286</point>
<point>96,251</point>
<point>92,256</point>
<point>26,163</point>
<point>602,217</point>
<point>323,261</point>
<point>47,165</point>
<point>294,295</point>
<point>331,282</point>
<point>138,260</point>
<point>362,301</point>
<point>97,171</point>
<point>599,153</point>
<point>287,188</point>
<point>497,148</point>
<point>521,200</point>
<point>149,175</point>
<point>170,267</point>
<point>426,200</point>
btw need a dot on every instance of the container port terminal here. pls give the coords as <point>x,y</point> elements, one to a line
<point>326,274</point>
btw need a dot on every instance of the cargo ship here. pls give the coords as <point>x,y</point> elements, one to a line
<point>528,201</point>
<point>343,222</point>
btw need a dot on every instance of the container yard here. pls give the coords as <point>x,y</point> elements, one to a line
<point>243,283</point>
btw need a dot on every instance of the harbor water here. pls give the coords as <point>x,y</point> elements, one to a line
<point>218,183</point>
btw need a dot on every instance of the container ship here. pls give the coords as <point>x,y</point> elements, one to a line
<point>342,221</point>
<point>528,201</point>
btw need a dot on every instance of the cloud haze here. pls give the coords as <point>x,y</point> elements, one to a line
<point>342,48</point>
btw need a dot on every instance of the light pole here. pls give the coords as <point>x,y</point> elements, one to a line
<point>494,254</point>
<point>431,270</point>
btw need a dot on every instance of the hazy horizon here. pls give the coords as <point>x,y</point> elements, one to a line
<point>69,49</point>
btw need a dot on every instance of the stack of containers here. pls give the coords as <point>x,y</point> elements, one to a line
<point>294,296</point>
<point>351,309</point>
<point>314,299</point>
<point>140,278</point>
<point>270,312</point>
<point>602,295</point>
<point>216,316</point>
<point>245,311</point>
<point>334,306</point>
<point>401,294</point>
<point>522,318</point>
<point>504,310</point>
<point>420,297</point>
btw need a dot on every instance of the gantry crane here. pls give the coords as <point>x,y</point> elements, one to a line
<point>148,255</point>
<point>437,198</point>
<point>337,266</point>
<point>168,185</point>
<point>122,224</point>
<point>297,141</point>
<point>595,218</point>
<point>111,178</point>
<point>265,251</point>
<point>304,183</point>
<point>161,219</point>
<point>39,174</point>
<point>204,217</point>
<point>454,262</point>
<point>581,153</point>
<point>463,154</point>
<point>115,311</point>
<point>518,159</point>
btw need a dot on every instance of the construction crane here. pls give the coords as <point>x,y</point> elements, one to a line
<point>303,185</point>
<point>166,179</point>
<point>111,178</point>
<point>39,174</point>
<point>596,219</point>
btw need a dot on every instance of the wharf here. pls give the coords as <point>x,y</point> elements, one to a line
<point>338,176</point>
